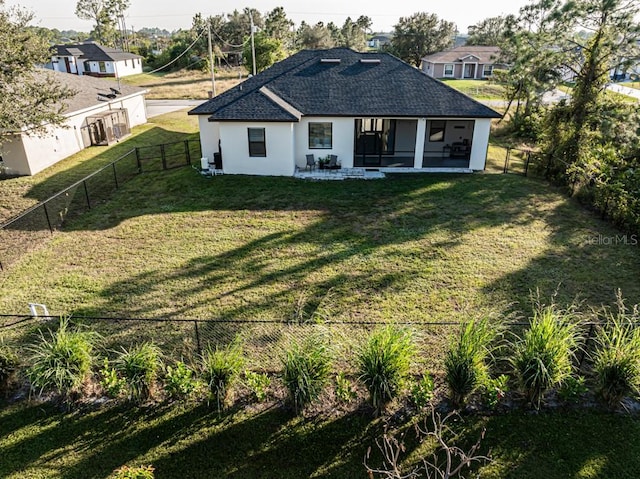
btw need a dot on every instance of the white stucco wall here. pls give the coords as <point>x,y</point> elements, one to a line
<point>209,136</point>
<point>29,155</point>
<point>480,144</point>
<point>279,139</point>
<point>342,140</point>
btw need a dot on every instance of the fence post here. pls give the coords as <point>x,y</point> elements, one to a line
<point>46,214</point>
<point>526,166</point>
<point>86,193</point>
<point>164,157</point>
<point>506,161</point>
<point>138,161</point>
<point>586,345</point>
<point>187,152</point>
<point>195,326</point>
<point>115,175</point>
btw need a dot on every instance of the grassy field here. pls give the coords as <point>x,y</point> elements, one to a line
<point>186,84</point>
<point>478,89</point>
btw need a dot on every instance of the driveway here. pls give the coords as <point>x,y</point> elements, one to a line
<point>160,107</point>
<point>625,90</point>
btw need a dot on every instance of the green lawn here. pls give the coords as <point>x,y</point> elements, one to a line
<point>184,441</point>
<point>478,89</point>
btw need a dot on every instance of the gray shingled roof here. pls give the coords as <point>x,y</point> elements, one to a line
<point>485,54</point>
<point>87,89</point>
<point>92,52</point>
<point>381,86</point>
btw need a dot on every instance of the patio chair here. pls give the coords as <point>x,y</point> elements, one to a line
<point>333,162</point>
<point>311,163</point>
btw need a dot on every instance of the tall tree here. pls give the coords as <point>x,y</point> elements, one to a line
<point>104,13</point>
<point>421,34</point>
<point>354,34</point>
<point>30,99</point>
<point>268,51</point>
<point>314,37</point>
<point>278,26</point>
<point>491,31</point>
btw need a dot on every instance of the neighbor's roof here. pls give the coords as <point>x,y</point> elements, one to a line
<point>87,89</point>
<point>485,54</point>
<point>340,82</point>
<point>92,51</point>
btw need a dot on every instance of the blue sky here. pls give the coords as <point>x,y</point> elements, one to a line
<point>172,15</point>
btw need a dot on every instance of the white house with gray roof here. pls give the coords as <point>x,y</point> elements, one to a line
<point>90,58</point>
<point>371,110</point>
<point>98,114</point>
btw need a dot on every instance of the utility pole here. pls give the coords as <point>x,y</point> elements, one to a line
<point>253,45</point>
<point>211,64</point>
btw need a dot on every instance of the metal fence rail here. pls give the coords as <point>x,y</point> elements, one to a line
<point>34,225</point>
<point>263,341</point>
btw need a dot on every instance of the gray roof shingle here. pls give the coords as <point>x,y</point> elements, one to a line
<point>359,84</point>
<point>91,51</point>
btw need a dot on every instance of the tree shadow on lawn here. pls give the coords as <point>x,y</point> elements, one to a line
<point>184,442</point>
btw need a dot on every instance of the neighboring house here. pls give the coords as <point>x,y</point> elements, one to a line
<point>94,116</point>
<point>379,40</point>
<point>89,58</point>
<point>370,109</point>
<point>470,62</point>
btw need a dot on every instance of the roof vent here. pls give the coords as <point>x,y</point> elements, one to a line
<point>329,60</point>
<point>370,61</point>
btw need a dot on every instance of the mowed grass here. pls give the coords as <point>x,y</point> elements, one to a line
<point>186,440</point>
<point>18,194</point>
<point>407,248</point>
<point>478,89</point>
<point>186,84</point>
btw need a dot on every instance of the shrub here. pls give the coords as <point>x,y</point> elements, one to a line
<point>258,383</point>
<point>422,391</point>
<point>617,361</point>
<point>8,365</point>
<point>220,368</point>
<point>111,383</point>
<point>344,388</point>
<point>180,381</point>
<point>306,368</point>
<point>384,362</point>
<point>126,472</point>
<point>139,367</point>
<point>494,390</point>
<point>572,388</point>
<point>61,362</point>
<point>466,361</point>
<point>542,357</point>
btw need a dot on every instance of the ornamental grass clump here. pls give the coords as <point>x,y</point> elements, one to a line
<point>61,361</point>
<point>543,356</point>
<point>139,367</point>
<point>467,360</point>
<point>220,368</point>
<point>616,361</point>
<point>384,362</point>
<point>306,368</point>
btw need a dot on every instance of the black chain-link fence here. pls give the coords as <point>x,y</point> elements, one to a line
<point>263,342</point>
<point>20,234</point>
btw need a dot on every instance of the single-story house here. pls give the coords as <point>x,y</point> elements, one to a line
<point>89,58</point>
<point>371,110</point>
<point>463,62</point>
<point>379,40</point>
<point>100,113</point>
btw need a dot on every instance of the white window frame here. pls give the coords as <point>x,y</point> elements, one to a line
<point>484,70</point>
<point>453,70</point>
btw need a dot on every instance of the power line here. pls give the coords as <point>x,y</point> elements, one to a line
<point>179,56</point>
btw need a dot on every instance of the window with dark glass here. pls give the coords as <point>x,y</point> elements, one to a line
<point>436,131</point>
<point>257,143</point>
<point>320,135</point>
